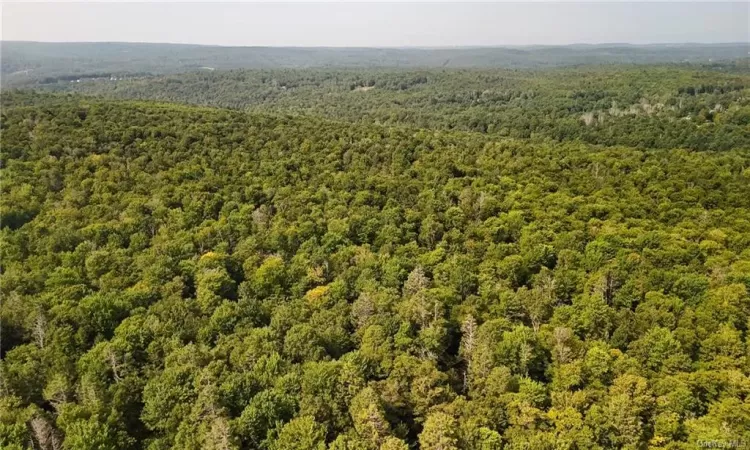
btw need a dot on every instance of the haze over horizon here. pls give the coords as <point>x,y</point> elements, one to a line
<point>425,25</point>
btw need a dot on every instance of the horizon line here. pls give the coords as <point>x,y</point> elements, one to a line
<point>393,47</point>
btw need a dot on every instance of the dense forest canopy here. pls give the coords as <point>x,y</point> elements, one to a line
<point>679,106</point>
<point>195,278</point>
<point>535,247</point>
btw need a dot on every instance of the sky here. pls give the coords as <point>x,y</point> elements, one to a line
<point>419,24</point>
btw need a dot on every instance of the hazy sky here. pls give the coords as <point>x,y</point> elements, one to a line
<point>378,24</point>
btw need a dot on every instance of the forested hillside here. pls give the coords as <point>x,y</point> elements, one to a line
<point>25,62</point>
<point>679,106</point>
<point>196,278</point>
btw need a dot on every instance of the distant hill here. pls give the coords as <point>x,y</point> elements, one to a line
<point>33,61</point>
<point>696,106</point>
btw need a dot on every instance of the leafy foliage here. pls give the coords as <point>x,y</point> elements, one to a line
<point>193,278</point>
